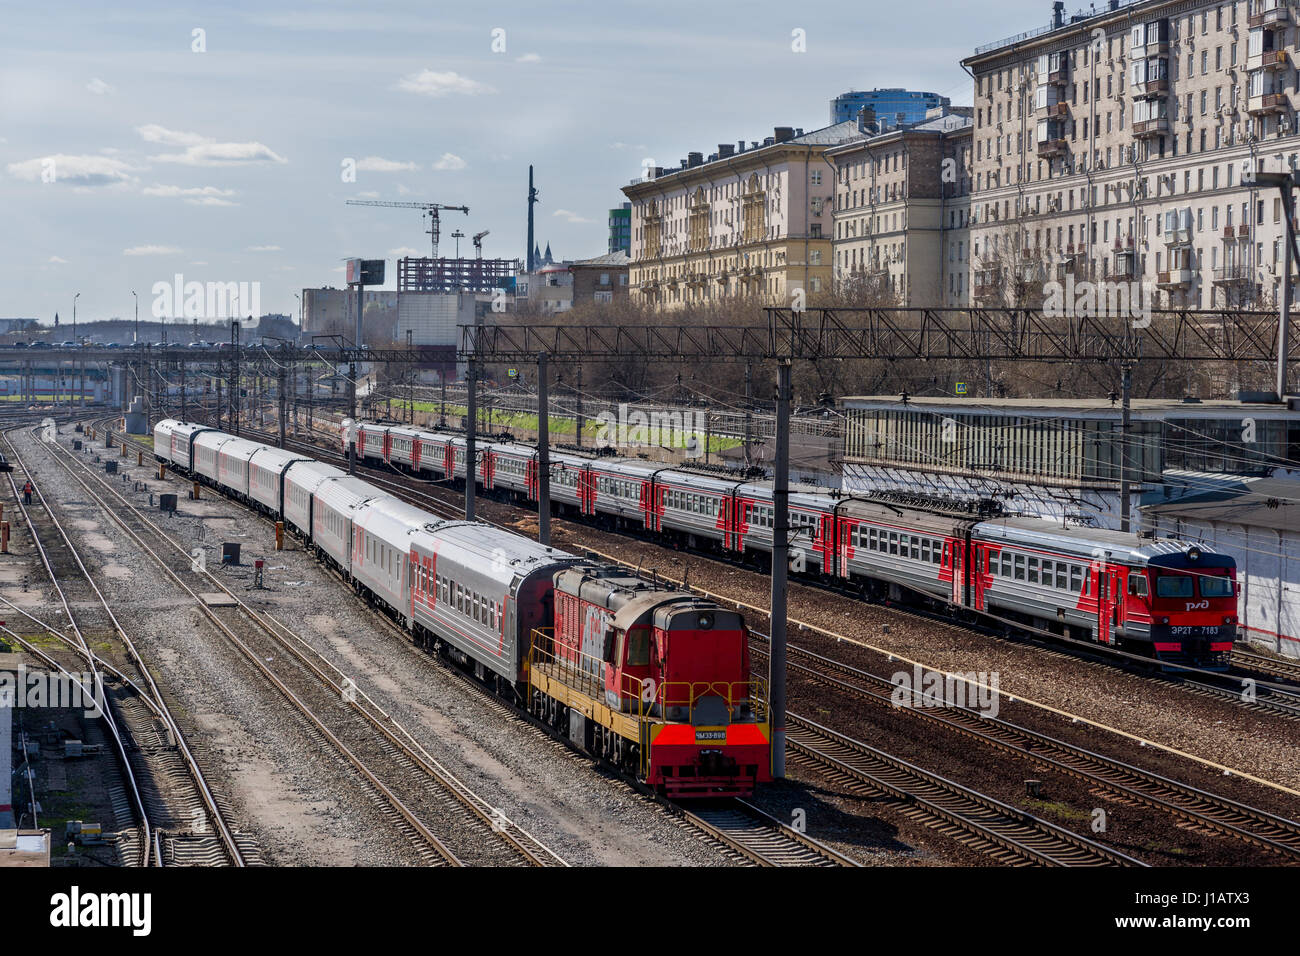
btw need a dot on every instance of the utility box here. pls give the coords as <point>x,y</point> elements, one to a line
<point>230,552</point>
<point>76,444</point>
<point>167,502</point>
<point>110,467</point>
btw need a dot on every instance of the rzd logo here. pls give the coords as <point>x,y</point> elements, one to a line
<point>1198,605</point>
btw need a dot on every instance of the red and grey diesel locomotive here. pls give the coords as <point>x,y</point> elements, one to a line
<point>653,679</point>
<point>1174,601</point>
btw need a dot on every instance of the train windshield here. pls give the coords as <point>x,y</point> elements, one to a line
<point>1216,586</point>
<point>1174,586</point>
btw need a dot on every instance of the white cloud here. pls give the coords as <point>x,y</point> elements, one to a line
<point>404,252</point>
<point>99,87</point>
<point>194,195</point>
<point>203,150</point>
<point>151,251</point>
<point>622,145</point>
<point>377,164</point>
<point>528,58</point>
<point>368,194</point>
<point>433,83</point>
<point>58,259</point>
<point>450,162</point>
<point>263,248</point>
<point>403,190</point>
<point>74,170</point>
<point>569,216</point>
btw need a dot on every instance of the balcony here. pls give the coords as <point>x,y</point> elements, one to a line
<point>1125,265</point>
<point>1268,103</point>
<point>1234,274</point>
<point>1268,60</point>
<point>1243,230</point>
<point>1151,88</point>
<point>1174,279</point>
<point>1060,76</point>
<point>1053,147</point>
<point>1178,237</point>
<point>1152,127</point>
<point>1277,16</point>
<point>1061,108</point>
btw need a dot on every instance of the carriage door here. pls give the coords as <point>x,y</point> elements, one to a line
<point>1103,603</point>
<point>958,571</point>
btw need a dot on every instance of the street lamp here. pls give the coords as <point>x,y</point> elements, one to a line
<point>74,317</point>
<point>1286,184</point>
<point>135,335</point>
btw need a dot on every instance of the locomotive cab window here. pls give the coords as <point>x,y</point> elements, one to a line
<point>1216,586</point>
<point>1137,585</point>
<point>1174,586</point>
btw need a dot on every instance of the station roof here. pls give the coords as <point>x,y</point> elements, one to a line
<point>1141,408</point>
<point>1261,503</point>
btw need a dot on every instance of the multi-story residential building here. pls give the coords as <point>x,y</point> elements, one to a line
<point>893,107</point>
<point>1112,147</point>
<point>748,222</point>
<point>902,206</point>
<point>620,228</point>
<point>602,280</point>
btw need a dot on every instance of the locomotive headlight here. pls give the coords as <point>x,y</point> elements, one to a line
<point>706,621</point>
<point>1193,554</point>
<point>1227,620</point>
<point>1164,620</point>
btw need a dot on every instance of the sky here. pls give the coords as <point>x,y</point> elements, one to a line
<point>219,142</point>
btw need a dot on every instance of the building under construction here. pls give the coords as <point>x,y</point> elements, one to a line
<point>456,275</point>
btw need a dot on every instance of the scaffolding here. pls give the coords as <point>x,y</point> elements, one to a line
<point>456,275</point>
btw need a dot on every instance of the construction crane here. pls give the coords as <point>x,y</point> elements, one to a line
<point>431,209</point>
<point>478,244</point>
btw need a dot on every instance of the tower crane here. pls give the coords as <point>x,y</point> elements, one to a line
<point>431,209</point>
<point>478,244</point>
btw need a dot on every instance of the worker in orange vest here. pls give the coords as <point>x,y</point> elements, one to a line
<point>27,492</point>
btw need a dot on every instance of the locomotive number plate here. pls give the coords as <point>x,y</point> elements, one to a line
<point>710,735</point>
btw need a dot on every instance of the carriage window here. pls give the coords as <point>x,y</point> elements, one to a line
<point>1216,586</point>
<point>1033,570</point>
<point>1020,567</point>
<point>873,544</point>
<point>936,552</point>
<point>893,542</point>
<point>1076,578</point>
<point>1137,584</point>
<point>916,549</point>
<point>925,549</point>
<point>1173,586</point>
<point>1060,576</point>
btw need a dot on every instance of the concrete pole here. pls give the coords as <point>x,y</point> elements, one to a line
<point>581,420</point>
<point>1125,436</point>
<point>543,454</point>
<point>1284,321</point>
<point>780,567</point>
<point>471,437</point>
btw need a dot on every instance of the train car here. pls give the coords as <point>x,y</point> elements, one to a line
<point>266,473</point>
<point>618,487</point>
<point>483,591</point>
<point>514,469</point>
<point>880,548</point>
<point>334,503</point>
<point>299,484</point>
<point>1174,601</point>
<point>232,464</point>
<point>204,449</point>
<point>173,442</point>
<point>403,447</point>
<point>382,528</point>
<point>654,679</point>
<point>372,442</point>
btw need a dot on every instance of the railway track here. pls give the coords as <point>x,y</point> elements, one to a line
<point>760,838</point>
<point>1237,821</point>
<point>331,705</point>
<point>167,756</point>
<point>1261,663</point>
<point>1005,833</point>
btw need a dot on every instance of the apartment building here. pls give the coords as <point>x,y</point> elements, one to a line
<point>902,206</point>
<point>1111,146</point>
<point>749,222</point>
